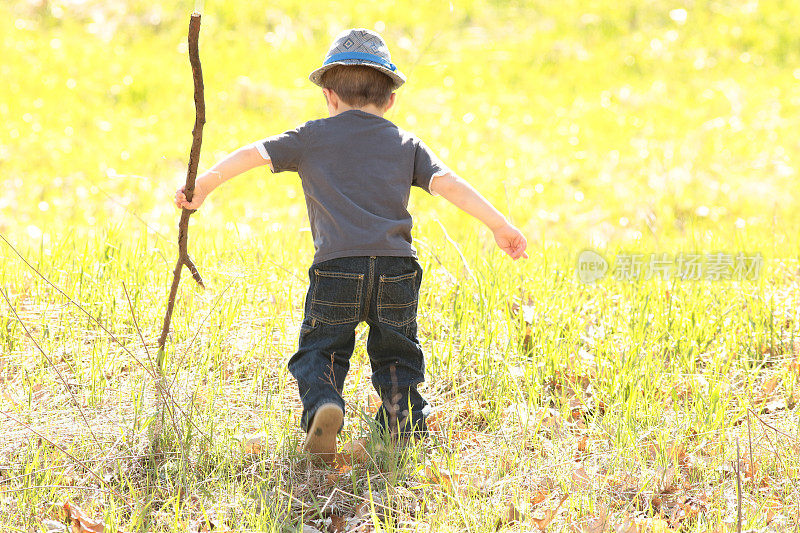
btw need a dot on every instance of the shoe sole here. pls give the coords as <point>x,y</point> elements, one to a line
<point>321,436</point>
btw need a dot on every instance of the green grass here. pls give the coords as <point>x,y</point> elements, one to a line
<point>615,126</point>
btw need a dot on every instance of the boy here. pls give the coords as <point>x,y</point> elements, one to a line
<point>357,169</point>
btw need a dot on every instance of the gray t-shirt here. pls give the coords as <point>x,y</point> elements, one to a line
<point>357,170</point>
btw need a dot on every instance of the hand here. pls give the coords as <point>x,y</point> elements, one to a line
<point>197,200</point>
<point>511,241</point>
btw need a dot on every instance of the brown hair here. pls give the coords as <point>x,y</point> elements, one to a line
<point>358,85</point>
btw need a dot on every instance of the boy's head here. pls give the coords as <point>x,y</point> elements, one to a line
<point>359,85</point>
<point>359,70</point>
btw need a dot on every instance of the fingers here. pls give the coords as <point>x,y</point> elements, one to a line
<point>521,249</point>
<point>181,202</point>
<point>522,245</point>
<point>511,241</point>
<point>513,251</point>
<point>515,248</point>
<point>517,253</point>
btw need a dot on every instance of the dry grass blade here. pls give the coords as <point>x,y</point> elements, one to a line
<point>60,487</point>
<point>738,489</point>
<point>79,306</point>
<point>460,253</point>
<point>66,453</point>
<point>54,367</point>
<point>163,394</point>
<point>199,327</point>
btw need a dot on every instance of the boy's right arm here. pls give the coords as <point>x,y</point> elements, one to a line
<point>232,165</point>
<point>461,194</point>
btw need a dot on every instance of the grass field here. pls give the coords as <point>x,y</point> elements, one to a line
<point>628,127</point>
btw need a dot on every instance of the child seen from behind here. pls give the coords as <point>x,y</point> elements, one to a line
<point>357,169</point>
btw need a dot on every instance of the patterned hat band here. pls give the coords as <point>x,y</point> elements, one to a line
<point>360,55</point>
<point>359,46</point>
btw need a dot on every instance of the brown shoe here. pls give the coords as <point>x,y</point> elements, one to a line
<point>321,436</point>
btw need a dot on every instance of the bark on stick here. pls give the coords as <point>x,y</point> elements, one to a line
<point>191,175</point>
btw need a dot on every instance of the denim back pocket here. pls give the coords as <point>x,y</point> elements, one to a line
<point>397,299</point>
<point>336,297</point>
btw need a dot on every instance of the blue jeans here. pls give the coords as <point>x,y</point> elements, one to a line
<point>383,291</point>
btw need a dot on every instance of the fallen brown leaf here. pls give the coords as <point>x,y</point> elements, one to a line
<point>363,510</point>
<point>255,444</point>
<point>341,469</point>
<point>547,515</point>
<point>688,508</point>
<point>373,403</point>
<point>447,479</point>
<point>769,386</point>
<point>580,479</point>
<point>577,409</point>
<point>353,453</point>
<point>434,422</point>
<point>80,521</point>
<point>512,515</point>
<point>214,525</point>
<point>596,524</point>
<point>539,496</point>
<point>338,524</point>
<point>666,480</point>
<point>774,406</point>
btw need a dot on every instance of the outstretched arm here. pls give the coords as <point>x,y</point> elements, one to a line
<point>461,194</point>
<point>226,168</point>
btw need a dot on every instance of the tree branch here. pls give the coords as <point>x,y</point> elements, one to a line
<point>191,175</point>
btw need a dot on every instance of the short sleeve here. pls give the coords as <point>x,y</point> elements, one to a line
<point>426,166</point>
<point>284,150</point>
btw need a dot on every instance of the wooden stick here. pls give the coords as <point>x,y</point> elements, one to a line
<point>191,175</point>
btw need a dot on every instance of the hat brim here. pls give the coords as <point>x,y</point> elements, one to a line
<point>397,77</point>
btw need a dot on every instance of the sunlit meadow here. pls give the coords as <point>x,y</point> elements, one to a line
<point>632,129</point>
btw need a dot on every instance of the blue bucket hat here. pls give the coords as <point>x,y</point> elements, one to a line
<point>359,46</point>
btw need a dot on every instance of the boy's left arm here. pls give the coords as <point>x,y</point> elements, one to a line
<point>464,196</point>
<point>235,163</point>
